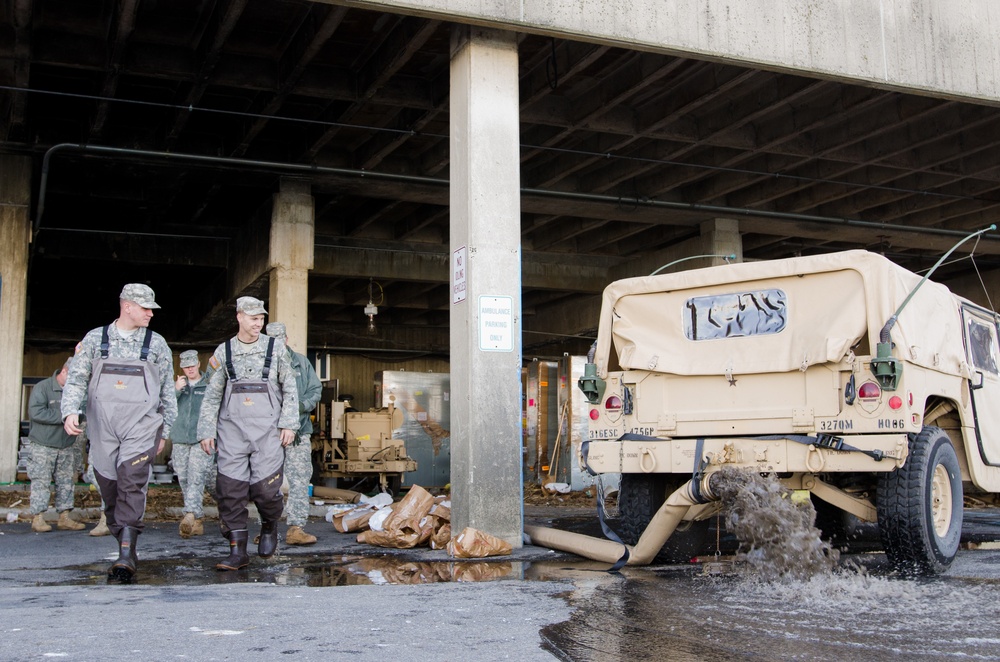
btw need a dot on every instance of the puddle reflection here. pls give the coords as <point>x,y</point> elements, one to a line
<point>323,571</point>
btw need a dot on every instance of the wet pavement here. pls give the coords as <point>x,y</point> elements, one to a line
<point>420,604</point>
<point>670,613</point>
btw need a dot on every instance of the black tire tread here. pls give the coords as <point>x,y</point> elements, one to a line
<point>902,509</point>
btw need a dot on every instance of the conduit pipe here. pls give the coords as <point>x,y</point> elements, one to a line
<point>661,527</point>
<point>315,170</point>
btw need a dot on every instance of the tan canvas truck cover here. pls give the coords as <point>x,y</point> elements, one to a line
<point>653,320</point>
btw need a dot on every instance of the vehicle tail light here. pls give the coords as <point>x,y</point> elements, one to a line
<point>613,403</point>
<point>594,414</point>
<point>895,402</point>
<point>869,390</point>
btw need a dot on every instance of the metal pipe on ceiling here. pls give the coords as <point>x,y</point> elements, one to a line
<point>219,160</point>
<point>415,179</point>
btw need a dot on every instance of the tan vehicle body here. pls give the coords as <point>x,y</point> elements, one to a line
<point>743,364</point>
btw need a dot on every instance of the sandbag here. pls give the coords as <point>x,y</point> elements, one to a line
<point>475,544</point>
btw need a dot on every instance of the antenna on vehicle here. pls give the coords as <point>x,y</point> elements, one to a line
<point>885,366</point>
<point>728,258</point>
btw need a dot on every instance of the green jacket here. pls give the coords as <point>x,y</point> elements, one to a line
<point>46,417</point>
<point>188,408</point>
<point>310,390</point>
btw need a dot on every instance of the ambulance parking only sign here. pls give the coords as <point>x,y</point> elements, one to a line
<point>496,324</point>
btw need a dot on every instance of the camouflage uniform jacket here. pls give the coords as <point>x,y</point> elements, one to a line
<point>309,387</point>
<point>46,415</point>
<point>248,362</point>
<point>89,350</point>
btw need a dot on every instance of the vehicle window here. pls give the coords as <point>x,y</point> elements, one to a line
<point>736,314</point>
<point>983,345</point>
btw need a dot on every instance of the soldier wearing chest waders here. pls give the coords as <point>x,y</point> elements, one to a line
<point>250,411</point>
<point>123,373</point>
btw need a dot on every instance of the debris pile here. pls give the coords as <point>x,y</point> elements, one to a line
<point>419,519</point>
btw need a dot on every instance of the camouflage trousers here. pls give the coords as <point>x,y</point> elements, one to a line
<point>298,469</point>
<point>79,448</point>
<point>194,467</point>
<point>45,465</point>
<point>89,477</point>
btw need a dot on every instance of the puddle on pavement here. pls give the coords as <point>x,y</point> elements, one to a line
<point>326,570</point>
<point>666,613</point>
<point>787,599</point>
<point>802,604</point>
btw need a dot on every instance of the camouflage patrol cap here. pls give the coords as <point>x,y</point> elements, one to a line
<point>189,359</point>
<point>140,294</point>
<point>276,330</point>
<point>250,306</point>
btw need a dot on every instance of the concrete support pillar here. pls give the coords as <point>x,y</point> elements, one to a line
<point>15,233</point>
<point>290,259</point>
<point>721,236</point>
<point>486,484</point>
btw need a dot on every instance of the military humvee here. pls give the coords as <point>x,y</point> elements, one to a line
<point>843,374</point>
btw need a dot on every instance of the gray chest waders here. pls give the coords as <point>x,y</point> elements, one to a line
<point>124,423</point>
<point>251,458</point>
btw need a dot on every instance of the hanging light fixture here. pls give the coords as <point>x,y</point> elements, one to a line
<point>371,310</point>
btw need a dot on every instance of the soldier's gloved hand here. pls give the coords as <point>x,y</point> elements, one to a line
<point>208,445</point>
<point>286,436</point>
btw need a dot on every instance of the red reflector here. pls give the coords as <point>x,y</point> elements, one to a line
<point>594,414</point>
<point>895,402</point>
<point>869,390</point>
<point>614,402</point>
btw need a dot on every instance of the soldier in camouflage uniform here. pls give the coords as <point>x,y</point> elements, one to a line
<point>190,463</point>
<point>251,410</point>
<point>123,374</point>
<point>298,455</point>
<point>52,454</point>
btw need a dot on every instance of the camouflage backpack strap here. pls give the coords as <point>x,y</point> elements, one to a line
<point>230,369</point>
<point>267,359</point>
<point>105,342</point>
<point>144,353</point>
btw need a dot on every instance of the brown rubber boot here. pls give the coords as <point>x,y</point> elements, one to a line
<point>67,523</point>
<point>198,529</point>
<point>238,557</point>
<point>124,568</point>
<point>268,544</point>
<point>186,526</point>
<point>101,529</point>
<point>38,524</point>
<point>296,535</point>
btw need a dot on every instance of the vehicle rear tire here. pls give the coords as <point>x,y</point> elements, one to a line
<point>920,506</point>
<point>639,497</point>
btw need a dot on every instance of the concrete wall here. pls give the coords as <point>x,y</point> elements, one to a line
<point>942,47</point>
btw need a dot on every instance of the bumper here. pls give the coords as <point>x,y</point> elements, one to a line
<point>782,455</point>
